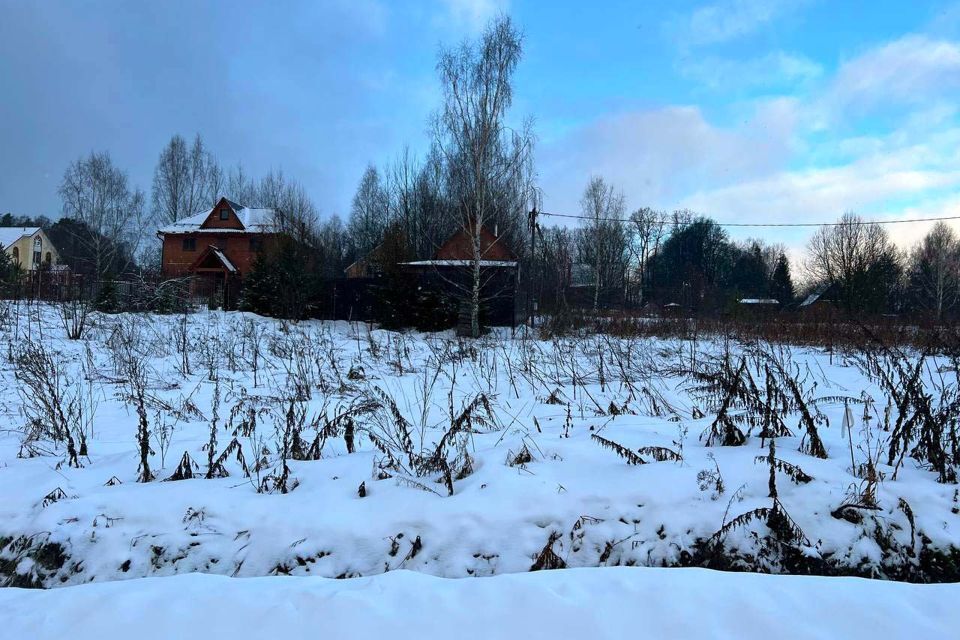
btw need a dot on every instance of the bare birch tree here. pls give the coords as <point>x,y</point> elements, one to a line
<point>370,212</point>
<point>602,241</point>
<point>97,195</point>
<point>433,222</point>
<point>935,270</point>
<point>240,187</point>
<point>486,159</point>
<point>185,181</point>
<point>647,230</point>
<point>295,213</point>
<point>402,191</point>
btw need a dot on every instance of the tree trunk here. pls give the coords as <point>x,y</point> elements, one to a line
<point>475,292</point>
<point>596,287</point>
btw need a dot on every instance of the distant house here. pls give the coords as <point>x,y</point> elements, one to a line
<point>672,310</point>
<point>369,266</point>
<point>459,246</point>
<point>447,274</point>
<point>451,270</point>
<point>756,307</point>
<point>29,247</point>
<point>455,253</point>
<point>216,247</point>
<point>825,296</point>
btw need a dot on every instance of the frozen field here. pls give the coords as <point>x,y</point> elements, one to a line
<point>324,449</point>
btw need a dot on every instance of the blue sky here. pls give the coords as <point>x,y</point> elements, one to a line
<point>745,110</point>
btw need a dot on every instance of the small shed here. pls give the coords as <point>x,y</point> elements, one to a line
<point>757,307</point>
<point>438,287</point>
<point>823,296</point>
<point>451,271</point>
<point>672,310</point>
<point>822,303</point>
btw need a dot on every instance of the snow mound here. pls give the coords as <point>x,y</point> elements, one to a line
<point>575,603</point>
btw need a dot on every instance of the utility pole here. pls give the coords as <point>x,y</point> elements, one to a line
<point>530,267</point>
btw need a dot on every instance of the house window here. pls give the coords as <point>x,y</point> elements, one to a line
<point>255,244</point>
<point>189,244</point>
<point>16,255</point>
<point>37,250</point>
<point>224,214</point>
<point>48,258</point>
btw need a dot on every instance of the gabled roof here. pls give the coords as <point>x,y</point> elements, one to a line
<point>217,255</point>
<point>459,246</point>
<point>253,221</point>
<point>816,295</point>
<point>373,257</point>
<point>9,235</point>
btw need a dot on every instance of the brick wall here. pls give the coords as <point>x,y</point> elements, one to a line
<point>236,246</point>
<point>460,247</point>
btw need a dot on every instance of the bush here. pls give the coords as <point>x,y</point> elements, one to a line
<point>107,298</point>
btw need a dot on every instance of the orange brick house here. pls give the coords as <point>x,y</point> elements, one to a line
<point>217,247</point>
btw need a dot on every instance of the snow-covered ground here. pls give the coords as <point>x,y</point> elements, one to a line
<point>497,470</point>
<point>617,602</point>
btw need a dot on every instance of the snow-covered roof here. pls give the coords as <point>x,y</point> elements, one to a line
<point>253,221</point>
<point>9,235</point>
<point>461,263</point>
<point>814,296</point>
<point>759,301</point>
<point>224,259</point>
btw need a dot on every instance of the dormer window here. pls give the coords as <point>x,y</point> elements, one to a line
<point>224,214</point>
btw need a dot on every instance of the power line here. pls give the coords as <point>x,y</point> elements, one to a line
<point>765,224</point>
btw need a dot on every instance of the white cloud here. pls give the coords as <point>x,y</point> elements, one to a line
<point>880,136</point>
<point>657,156</point>
<point>731,19</point>
<point>907,235</point>
<point>471,15</point>
<point>869,185</point>
<point>775,69</point>
<point>911,70</point>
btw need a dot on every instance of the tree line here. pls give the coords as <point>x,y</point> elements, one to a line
<point>479,171</point>
<point>655,257</point>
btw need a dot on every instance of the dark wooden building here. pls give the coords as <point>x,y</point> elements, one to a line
<point>442,282</point>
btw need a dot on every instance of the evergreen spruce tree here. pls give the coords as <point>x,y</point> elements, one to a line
<point>260,287</point>
<point>781,283</point>
<point>108,298</point>
<point>8,273</point>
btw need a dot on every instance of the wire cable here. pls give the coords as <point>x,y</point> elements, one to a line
<point>766,224</point>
